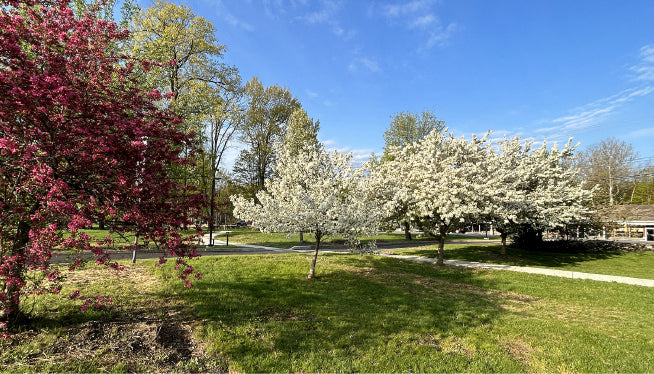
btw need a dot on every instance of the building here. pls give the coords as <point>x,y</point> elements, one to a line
<point>628,221</point>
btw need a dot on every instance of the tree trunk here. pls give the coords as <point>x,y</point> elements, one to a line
<point>312,271</point>
<point>11,313</point>
<point>301,237</point>
<point>136,240</point>
<point>442,232</point>
<point>503,236</point>
<point>407,232</point>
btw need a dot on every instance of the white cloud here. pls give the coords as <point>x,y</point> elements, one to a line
<point>423,21</point>
<point>410,8</point>
<point>419,15</point>
<point>232,20</point>
<point>440,36</point>
<point>359,156</point>
<point>311,93</point>
<point>364,62</point>
<point>327,15</point>
<point>645,68</point>
<point>593,113</point>
<point>647,132</point>
<point>229,18</point>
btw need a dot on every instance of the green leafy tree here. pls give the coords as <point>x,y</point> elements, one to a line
<point>222,122</point>
<point>188,56</point>
<point>643,189</point>
<point>203,90</point>
<point>265,122</point>
<point>302,131</point>
<point>407,127</point>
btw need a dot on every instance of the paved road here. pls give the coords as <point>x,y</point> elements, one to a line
<point>481,265</point>
<point>245,249</point>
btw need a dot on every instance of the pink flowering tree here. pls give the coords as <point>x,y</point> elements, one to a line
<point>79,143</point>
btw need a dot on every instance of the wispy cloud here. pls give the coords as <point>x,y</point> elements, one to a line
<point>364,62</point>
<point>423,21</point>
<point>440,36</point>
<point>328,14</point>
<point>311,94</point>
<point>228,17</point>
<point>420,16</point>
<point>410,8</point>
<point>592,114</point>
<point>232,20</point>
<point>645,68</point>
<point>647,132</point>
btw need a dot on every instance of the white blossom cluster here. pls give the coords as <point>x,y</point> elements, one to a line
<point>535,186</point>
<point>442,182</point>
<point>438,183</point>
<point>313,191</point>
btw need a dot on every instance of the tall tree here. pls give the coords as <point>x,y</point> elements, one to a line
<point>80,142</point>
<point>643,189</point>
<point>223,120</point>
<point>406,128</point>
<point>205,92</point>
<point>302,132</point>
<point>266,118</point>
<point>188,55</point>
<point>609,165</point>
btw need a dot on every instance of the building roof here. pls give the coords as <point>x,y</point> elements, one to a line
<point>628,213</point>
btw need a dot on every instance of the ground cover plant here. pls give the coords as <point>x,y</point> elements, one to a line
<point>637,264</point>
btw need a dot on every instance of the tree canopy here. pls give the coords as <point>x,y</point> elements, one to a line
<point>266,119</point>
<point>312,191</point>
<point>80,142</point>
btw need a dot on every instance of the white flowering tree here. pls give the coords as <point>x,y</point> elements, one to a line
<point>509,194</point>
<point>554,189</point>
<point>442,180</point>
<point>313,191</point>
<point>534,189</point>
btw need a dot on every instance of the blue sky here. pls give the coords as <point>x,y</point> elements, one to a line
<point>540,69</point>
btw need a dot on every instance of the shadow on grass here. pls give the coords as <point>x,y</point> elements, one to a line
<point>362,313</point>
<point>515,256</point>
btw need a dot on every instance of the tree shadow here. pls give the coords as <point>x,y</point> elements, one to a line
<point>517,256</point>
<point>357,305</point>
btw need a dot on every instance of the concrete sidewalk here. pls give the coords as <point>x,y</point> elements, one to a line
<point>531,270</point>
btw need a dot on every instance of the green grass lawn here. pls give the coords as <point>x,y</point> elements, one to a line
<point>373,314</point>
<point>259,313</point>
<point>629,264</point>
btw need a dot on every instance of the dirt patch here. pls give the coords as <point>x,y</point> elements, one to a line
<point>154,336</point>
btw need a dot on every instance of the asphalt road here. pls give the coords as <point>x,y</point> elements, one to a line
<point>253,249</point>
